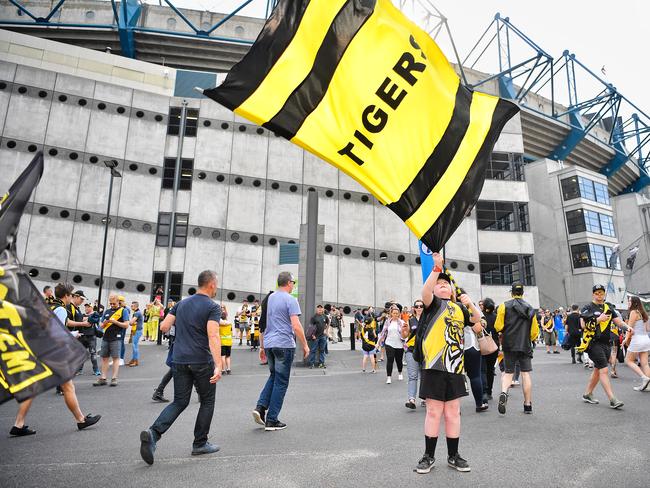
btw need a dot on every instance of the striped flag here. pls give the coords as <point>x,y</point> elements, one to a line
<point>36,351</point>
<point>362,87</point>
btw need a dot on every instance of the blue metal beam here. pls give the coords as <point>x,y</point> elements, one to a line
<point>126,23</point>
<point>573,138</point>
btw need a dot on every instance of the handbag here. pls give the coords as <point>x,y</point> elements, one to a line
<point>486,344</point>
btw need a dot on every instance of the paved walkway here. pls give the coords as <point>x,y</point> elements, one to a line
<point>345,429</point>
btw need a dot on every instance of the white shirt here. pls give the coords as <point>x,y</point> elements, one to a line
<point>394,335</point>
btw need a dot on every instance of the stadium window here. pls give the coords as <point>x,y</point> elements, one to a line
<point>505,269</point>
<point>175,285</point>
<point>174,121</point>
<point>570,188</point>
<point>592,221</point>
<point>169,169</point>
<point>575,221</point>
<point>502,216</point>
<point>505,166</point>
<point>179,231</point>
<point>586,188</point>
<point>607,225</point>
<point>581,256</point>
<point>601,192</point>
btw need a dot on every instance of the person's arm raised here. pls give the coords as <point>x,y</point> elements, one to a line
<point>430,283</point>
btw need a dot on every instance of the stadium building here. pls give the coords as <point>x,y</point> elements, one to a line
<point>197,187</point>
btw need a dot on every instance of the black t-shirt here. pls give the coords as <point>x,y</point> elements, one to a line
<point>320,321</point>
<point>192,314</point>
<point>590,314</point>
<point>573,324</point>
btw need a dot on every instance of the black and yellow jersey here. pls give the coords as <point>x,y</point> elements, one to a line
<point>594,331</point>
<point>441,330</point>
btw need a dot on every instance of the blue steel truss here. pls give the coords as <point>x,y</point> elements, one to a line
<point>533,70</point>
<point>126,16</point>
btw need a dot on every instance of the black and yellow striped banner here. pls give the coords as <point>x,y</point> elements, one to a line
<point>362,87</point>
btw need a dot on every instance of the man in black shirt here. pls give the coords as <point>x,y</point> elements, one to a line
<point>596,321</point>
<point>317,338</point>
<point>574,331</point>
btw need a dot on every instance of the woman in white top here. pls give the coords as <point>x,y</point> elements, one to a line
<point>639,342</point>
<point>391,338</point>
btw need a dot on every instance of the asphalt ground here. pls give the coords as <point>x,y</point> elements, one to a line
<point>344,429</point>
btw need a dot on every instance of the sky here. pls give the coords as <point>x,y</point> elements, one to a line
<point>601,33</point>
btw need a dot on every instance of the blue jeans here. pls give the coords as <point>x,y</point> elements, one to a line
<point>319,343</point>
<point>272,396</point>
<point>186,375</point>
<point>122,348</point>
<point>413,369</point>
<point>135,353</point>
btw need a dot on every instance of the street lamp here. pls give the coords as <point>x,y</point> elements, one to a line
<point>111,164</point>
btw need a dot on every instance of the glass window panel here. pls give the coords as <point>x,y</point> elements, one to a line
<point>570,188</point>
<point>592,221</point>
<point>580,255</point>
<point>575,221</point>
<point>586,188</point>
<point>504,269</point>
<point>607,225</point>
<point>601,193</point>
<point>598,257</point>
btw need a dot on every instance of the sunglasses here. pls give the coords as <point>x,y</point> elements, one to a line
<point>418,306</point>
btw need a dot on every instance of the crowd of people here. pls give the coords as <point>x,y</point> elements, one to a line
<point>450,346</point>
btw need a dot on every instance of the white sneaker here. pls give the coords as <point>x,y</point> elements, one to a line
<point>400,377</point>
<point>645,381</point>
<point>388,381</point>
<point>121,362</point>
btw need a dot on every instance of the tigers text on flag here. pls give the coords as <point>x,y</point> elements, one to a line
<point>362,87</point>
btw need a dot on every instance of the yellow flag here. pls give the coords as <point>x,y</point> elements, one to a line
<point>362,87</point>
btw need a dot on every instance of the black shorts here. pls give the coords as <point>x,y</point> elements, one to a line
<point>599,353</point>
<point>225,351</point>
<point>524,359</point>
<point>441,385</point>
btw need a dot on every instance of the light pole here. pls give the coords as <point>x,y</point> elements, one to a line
<point>111,164</point>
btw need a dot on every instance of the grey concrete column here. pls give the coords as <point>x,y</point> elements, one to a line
<point>310,270</point>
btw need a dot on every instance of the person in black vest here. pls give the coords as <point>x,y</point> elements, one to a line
<point>517,322</point>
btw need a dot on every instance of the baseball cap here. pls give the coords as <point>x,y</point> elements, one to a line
<point>517,288</point>
<point>80,293</point>
<point>598,287</point>
<point>444,276</point>
<point>121,298</point>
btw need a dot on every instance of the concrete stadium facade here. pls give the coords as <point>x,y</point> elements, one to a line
<point>243,192</point>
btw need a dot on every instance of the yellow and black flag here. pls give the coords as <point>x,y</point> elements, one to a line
<point>36,351</point>
<point>362,87</point>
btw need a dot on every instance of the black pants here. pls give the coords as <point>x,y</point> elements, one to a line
<point>396,355</point>
<point>473,368</point>
<point>186,375</point>
<point>90,343</point>
<point>165,380</point>
<point>338,333</point>
<point>487,370</point>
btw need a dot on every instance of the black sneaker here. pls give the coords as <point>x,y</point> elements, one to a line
<point>528,408</point>
<point>425,464</point>
<point>410,404</point>
<point>503,400</point>
<point>147,445</point>
<point>458,463</point>
<point>88,421</point>
<point>21,431</point>
<point>158,397</point>
<point>482,408</point>
<point>259,415</point>
<point>274,425</point>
